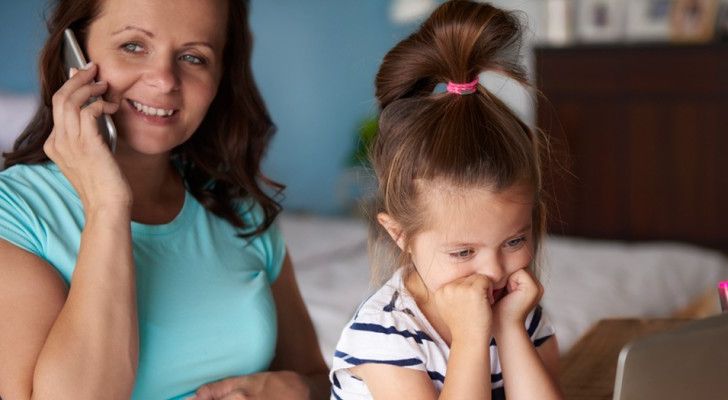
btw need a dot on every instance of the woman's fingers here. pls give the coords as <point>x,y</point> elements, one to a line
<point>84,93</point>
<point>89,127</point>
<point>216,390</point>
<point>77,79</point>
<point>71,98</point>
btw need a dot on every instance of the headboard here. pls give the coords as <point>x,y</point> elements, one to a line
<point>645,128</point>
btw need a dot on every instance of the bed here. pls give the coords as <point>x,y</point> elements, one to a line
<point>585,280</point>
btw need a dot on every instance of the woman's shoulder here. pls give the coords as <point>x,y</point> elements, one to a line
<point>249,210</point>
<point>27,172</point>
<point>29,180</point>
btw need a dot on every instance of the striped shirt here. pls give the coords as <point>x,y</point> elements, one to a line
<point>389,328</point>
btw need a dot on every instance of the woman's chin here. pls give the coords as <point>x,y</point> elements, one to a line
<point>144,147</point>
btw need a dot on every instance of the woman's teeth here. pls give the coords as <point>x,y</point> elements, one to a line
<point>151,111</point>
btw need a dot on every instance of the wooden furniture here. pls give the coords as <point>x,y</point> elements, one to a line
<point>588,370</point>
<point>646,128</point>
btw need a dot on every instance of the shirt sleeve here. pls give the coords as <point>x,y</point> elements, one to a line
<point>270,243</point>
<point>276,251</point>
<point>19,225</point>
<point>382,337</point>
<point>538,326</point>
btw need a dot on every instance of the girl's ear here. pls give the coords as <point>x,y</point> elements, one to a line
<point>393,228</point>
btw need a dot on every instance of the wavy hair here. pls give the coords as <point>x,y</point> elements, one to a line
<point>221,161</point>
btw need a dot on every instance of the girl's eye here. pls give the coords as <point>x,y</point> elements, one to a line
<point>516,243</point>
<point>193,59</point>
<point>131,47</point>
<point>461,254</point>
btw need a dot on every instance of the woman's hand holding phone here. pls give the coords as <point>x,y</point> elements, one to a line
<point>79,150</point>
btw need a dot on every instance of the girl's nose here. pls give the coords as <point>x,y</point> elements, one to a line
<point>494,268</point>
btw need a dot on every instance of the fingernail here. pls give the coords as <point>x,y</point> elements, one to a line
<point>88,65</point>
<point>72,72</point>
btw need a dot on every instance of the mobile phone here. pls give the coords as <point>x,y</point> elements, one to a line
<point>73,58</point>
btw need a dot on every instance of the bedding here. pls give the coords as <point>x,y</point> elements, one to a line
<point>15,112</point>
<point>584,280</point>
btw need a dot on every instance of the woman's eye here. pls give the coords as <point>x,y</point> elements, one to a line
<point>193,59</point>
<point>131,47</point>
<point>465,253</point>
<point>515,243</point>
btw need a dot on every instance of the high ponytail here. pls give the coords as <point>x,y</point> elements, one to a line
<point>457,42</point>
<point>466,140</point>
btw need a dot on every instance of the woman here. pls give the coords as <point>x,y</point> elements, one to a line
<point>155,270</point>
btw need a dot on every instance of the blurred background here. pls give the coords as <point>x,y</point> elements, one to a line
<point>632,93</point>
<point>315,63</point>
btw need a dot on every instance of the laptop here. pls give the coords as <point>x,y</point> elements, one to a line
<point>689,362</point>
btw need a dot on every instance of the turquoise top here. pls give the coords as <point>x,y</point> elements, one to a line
<point>205,306</point>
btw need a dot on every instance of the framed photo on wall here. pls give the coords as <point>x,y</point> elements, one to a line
<point>600,20</point>
<point>693,20</point>
<point>649,20</point>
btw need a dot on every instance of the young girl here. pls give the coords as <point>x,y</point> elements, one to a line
<point>459,217</point>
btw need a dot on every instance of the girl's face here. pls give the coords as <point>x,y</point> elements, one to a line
<point>474,231</point>
<point>163,63</point>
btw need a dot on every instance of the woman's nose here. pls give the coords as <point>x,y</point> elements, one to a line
<point>163,76</point>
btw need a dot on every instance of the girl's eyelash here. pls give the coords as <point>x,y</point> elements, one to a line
<point>461,254</point>
<point>516,242</point>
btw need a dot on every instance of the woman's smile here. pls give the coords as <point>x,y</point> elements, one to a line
<point>153,115</point>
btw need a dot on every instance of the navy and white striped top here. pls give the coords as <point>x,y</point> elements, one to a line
<point>389,328</point>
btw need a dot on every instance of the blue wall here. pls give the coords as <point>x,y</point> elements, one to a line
<point>314,61</point>
<point>22,31</point>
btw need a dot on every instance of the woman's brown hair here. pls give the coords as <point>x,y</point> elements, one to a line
<point>471,140</point>
<point>221,161</point>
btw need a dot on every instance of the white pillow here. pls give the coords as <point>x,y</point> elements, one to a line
<point>589,280</point>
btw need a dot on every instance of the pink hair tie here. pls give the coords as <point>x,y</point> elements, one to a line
<point>462,88</point>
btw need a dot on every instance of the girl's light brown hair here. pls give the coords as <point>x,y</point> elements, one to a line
<point>221,162</point>
<point>471,140</point>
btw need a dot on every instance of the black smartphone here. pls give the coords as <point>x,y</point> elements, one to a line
<point>73,58</point>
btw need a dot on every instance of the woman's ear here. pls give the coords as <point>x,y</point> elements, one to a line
<point>393,228</point>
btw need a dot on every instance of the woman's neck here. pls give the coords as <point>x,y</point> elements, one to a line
<point>157,188</point>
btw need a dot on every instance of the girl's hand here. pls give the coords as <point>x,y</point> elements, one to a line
<point>77,147</point>
<point>464,306</point>
<point>261,386</point>
<point>524,292</point>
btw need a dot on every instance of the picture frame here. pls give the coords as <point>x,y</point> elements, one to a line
<point>722,21</point>
<point>558,22</point>
<point>693,20</point>
<point>600,20</point>
<point>649,20</point>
